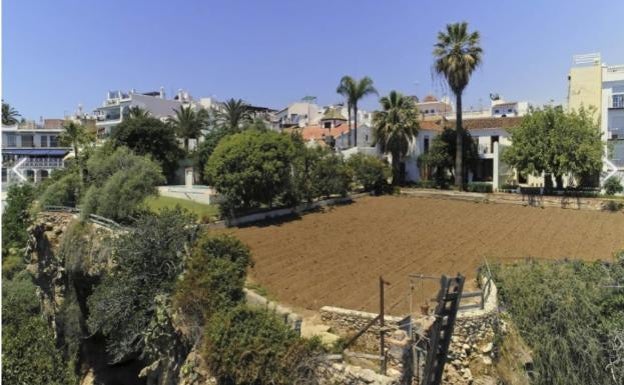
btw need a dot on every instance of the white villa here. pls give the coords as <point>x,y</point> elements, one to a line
<point>31,151</point>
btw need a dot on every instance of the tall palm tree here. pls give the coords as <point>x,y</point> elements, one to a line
<point>76,135</point>
<point>234,113</point>
<point>354,91</point>
<point>189,123</point>
<point>394,127</point>
<point>9,114</point>
<point>457,54</point>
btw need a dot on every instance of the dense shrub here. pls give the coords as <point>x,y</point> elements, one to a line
<point>252,347</point>
<point>370,172</point>
<point>63,192</point>
<point>482,187</point>
<point>29,354</point>
<point>148,260</point>
<point>214,277</point>
<point>119,182</point>
<point>569,317</point>
<point>613,186</point>
<point>16,216</point>
<point>330,175</point>
<point>250,169</point>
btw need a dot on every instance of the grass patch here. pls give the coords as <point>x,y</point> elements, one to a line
<point>202,211</point>
<point>259,289</point>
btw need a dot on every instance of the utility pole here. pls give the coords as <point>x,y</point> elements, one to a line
<point>382,341</point>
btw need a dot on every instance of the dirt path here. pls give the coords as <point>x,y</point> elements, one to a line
<point>335,257</point>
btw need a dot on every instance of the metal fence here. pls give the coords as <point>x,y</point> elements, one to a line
<point>102,221</point>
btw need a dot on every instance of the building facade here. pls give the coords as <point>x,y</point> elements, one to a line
<point>30,152</point>
<point>593,84</point>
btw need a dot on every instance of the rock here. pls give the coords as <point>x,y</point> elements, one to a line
<point>486,360</point>
<point>487,347</point>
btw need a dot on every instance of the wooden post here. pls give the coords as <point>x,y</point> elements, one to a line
<point>382,341</point>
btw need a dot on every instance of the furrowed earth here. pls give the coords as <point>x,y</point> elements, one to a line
<point>335,257</point>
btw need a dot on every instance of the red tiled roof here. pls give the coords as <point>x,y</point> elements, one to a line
<point>318,133</point>
<point>472,124</point>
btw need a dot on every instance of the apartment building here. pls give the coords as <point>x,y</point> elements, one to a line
<point>592,83</point>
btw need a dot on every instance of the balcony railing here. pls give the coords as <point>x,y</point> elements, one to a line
<point>36,163</point>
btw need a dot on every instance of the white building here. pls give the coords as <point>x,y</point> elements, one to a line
<point>31,151</point>
<point>117,104</point>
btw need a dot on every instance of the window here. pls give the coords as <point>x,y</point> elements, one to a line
<point>53,141</point>
<point>618,101</point>
<point>327,125</point>
<point>44,141</point>
<point>426,144</point>
<point>11,140</point>
<point>497,111</point>
<point>27,141</point>
<point>509,110</point>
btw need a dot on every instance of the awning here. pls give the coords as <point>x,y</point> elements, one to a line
<point>35,151</point>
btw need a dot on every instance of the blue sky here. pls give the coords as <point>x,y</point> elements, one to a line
<point>59,53</point>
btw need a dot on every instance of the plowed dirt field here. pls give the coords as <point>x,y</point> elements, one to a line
<point>335,257</point>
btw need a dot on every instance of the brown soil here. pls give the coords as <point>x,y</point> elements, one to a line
<point>335,257</point>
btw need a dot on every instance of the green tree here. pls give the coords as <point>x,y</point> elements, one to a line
<point>206,147</point>
<point>16,216</point>
<point>234,113</point>
<point>441,155</point>
<point>148,259</point>
<point>250,169</point>
<point>146,135</point>
<point>554,142</point>
<point>395,127</point>
<point>76,136</point>
<point>370,172</point>
<point>189,124</point>
<point>457,54</point>
<point>330,175</point>
<point>354,91</point>
<point>119,182</point>
<point>9,114</point>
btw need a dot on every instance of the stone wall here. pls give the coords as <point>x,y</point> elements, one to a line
<point>345,323</point>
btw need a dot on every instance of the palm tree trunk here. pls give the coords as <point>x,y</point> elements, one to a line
<point>355,125</point>
<point>396,169</point>
<point>459,154</point>
<point>349,132</point>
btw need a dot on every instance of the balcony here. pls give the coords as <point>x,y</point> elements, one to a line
<point>35,163</point>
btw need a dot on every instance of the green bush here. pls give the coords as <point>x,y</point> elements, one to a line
<point>16,217</point>
<point>330,175</point>
<point>481,187</point>
<point>370,172</point>
<point>148,260</point>
<point>568,316</point>
<point>613,206</point>
<point>214,277</point>
<point>613,186</point>
<point>120,181</point>
<point>63,192</point>
<point>29,354</point>
<point>252,347</point>
<point>250,169</point>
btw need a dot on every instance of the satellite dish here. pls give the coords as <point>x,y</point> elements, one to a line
<point>494,96</point>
